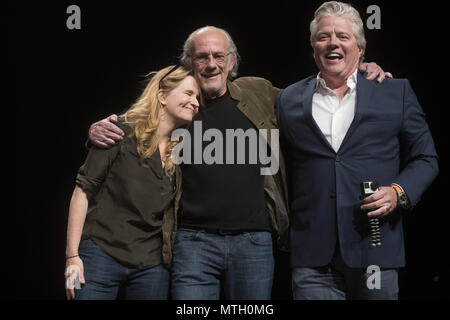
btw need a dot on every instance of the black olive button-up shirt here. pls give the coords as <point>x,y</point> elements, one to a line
<point>126,202</point>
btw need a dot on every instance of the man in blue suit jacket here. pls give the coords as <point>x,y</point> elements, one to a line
<point>337,130</point>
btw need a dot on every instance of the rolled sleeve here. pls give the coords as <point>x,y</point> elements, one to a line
<point>95,169</point>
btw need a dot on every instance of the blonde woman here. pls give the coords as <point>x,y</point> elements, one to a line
<point>114,233</point>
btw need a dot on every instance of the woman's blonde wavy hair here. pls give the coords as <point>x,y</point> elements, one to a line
<point>145,114</point>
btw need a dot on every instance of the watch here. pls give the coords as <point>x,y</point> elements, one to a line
<point>402,198</point>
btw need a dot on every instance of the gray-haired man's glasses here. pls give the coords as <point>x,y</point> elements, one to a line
<point>203,58</point>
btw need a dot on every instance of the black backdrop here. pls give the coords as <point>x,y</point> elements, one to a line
<point>67,79</point>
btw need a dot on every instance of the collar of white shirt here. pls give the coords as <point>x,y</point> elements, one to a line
<point>351,82</point>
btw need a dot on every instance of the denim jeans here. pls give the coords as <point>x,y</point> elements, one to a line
<point>204,263</point>
<point>104,276</point>
<point>339,282</point>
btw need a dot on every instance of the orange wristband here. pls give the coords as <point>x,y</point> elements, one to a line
<point>397,188</point>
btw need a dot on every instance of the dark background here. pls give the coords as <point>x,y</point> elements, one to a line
<point>67,79</point>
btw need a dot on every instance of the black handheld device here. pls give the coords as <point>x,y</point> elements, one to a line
<point>368,188</point>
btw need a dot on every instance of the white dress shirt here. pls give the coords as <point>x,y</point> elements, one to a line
<point>331,115</point>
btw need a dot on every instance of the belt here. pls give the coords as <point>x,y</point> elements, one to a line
<point>225,232</point>
<point>220,232</point>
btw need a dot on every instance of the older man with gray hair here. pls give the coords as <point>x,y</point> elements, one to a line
<point>346,138</point>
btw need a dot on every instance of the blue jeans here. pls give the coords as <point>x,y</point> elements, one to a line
<point>336,281</point>
<point>204,263</point>
<point>104,276</point>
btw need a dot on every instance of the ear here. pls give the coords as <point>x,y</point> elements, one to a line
<point>161,97</point>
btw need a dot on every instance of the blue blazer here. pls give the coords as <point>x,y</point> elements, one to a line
<point>388,141</point>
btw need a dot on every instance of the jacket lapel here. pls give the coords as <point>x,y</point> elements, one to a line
<point>306,102</point>
<point>254,115</point>
<point>364,90</point>
<point>236,94</point>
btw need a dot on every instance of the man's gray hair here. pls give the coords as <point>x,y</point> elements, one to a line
<point>188,50</point>
<point>335,8</point>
